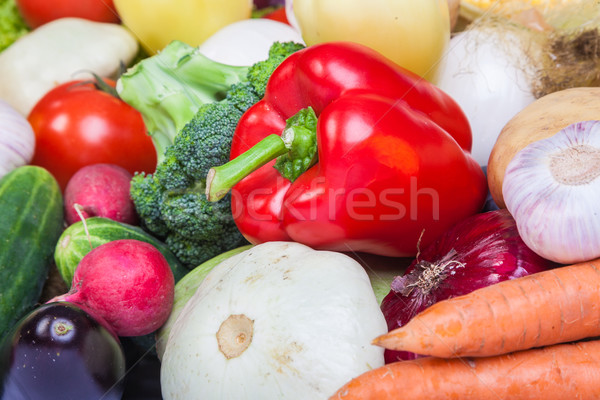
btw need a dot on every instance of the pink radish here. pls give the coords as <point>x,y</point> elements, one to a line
<point>100,190</point>
<point>127,283</point>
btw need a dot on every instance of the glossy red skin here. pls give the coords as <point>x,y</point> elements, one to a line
<point>102,190</point>
<point>383,134</point>
<point>38,12</point>
<point>127,283</point>
<point>490,249</point>
<point>278,15</point>
<point>77,125</point>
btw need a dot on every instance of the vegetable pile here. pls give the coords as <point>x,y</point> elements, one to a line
<point>299,199</point>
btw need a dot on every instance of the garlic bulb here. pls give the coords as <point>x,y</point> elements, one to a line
<point>551,188</point>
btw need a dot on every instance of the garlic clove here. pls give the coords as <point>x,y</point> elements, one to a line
<point>551,187</point>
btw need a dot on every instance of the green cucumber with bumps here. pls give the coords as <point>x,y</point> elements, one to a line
<point>31,221</point>
<point>75,243</point>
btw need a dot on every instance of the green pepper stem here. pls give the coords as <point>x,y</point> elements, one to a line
<point>221,179</point>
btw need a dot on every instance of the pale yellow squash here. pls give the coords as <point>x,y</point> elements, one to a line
<point>412,33</point>
<point>155,23</point>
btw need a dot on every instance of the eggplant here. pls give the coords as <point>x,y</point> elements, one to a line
<point>60,351</point>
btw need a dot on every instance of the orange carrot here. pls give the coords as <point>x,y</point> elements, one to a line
<point>554,306</point>
<point>559,372</point>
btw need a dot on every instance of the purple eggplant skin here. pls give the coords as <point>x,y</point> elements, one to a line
<point>59,351</point>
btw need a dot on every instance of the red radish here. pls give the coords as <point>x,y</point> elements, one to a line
<point>101,190</point>
<point>127,283</point>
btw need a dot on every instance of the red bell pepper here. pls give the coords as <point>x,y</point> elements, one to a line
<point>393,169</point>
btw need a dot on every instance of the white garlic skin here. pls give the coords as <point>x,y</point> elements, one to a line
<point>559,220</point>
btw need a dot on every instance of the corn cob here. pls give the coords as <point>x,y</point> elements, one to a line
<point>471,9</point>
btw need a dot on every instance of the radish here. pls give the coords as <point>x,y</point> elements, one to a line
<point>100,190</point>
<point>127,283</point>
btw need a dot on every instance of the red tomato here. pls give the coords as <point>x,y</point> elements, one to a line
<point>76,124</point>
<point>278,15</point>
<point>38,12</point>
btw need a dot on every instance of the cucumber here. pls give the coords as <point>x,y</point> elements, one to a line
<point>31,221</point>
<point>74,244</point>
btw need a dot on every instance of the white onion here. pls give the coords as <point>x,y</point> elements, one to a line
<point>486,71</point>
<point>17,140</point>
<point>247,42</point>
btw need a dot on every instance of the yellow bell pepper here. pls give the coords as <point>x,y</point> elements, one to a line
<point>156,23</point>
<point>413,33</point>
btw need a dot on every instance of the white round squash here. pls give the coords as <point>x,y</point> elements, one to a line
<point>277,321</point>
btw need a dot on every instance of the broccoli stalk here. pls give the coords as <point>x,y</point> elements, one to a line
<point>172,203</point>
<point>169,87</point>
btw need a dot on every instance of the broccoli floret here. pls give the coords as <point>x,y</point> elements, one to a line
<point>12,25</point>
<point>169,87</point>
<point>189,252</point>
<point>193,228</point>
<point>242,96</point>
<point>172,203</point>
<point>259,73</point>
<point>204,142</point>
<point>147,195</point>
<point>190,215</point>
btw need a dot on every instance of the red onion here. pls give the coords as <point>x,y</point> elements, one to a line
<point>268,3</point>
<point>479,251</point>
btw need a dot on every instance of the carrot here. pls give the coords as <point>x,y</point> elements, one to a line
<point>559,372</point>
<point>555,306</point>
